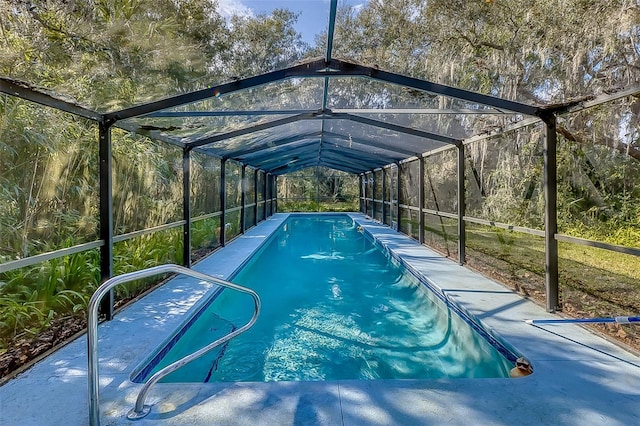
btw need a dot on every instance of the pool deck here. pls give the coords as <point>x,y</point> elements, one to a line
<point>579,379</point>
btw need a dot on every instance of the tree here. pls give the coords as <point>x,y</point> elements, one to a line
<point>262,44</point>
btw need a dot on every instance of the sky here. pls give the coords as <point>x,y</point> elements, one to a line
<point>313,19</point>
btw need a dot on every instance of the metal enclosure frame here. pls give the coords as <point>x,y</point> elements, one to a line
<point>357,155</point>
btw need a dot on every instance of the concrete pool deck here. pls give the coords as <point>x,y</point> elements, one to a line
<point>579,379</point>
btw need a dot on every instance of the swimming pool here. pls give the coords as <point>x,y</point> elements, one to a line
<point>335,306</point>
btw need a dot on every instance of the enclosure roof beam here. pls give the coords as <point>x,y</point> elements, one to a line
<point>322,68</point>
<point>251,129</point>
<point>339,165</point>
<point>271,144</point>
<point>423,111</point>
<point>368,142</point>
<point>368,111</point>
<point>279,152</point>
<point>308,156</point>
<point>453,92</point>
<point>326,137</point>
<point>511,127</point>
<point>591,101</point>
<point>339,68</point>
<point>310,67</point>
<point>25,91</point>
<point>296,164</point>
<point>253,154</point>
<point>390,126</point>
<point>355,149</point>
<point>362,163</point>
<point>321,115</point>
<point>336,157</point>
<point>259,155</point>
<point>233,113</point>
<point>293,166</point>
<point>267,161</point>
<point>332,164</point>
<point>153,134</point>
<point>364,157</point>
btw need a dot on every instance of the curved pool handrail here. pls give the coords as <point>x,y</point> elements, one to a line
<point>140,410</point>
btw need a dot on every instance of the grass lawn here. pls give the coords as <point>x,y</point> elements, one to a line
<point>593,282</point>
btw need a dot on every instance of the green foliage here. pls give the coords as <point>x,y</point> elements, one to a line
<point>47,179</point>
<point>31,297</point>
<point>144,252</point>
<point>107,54</point>
<point>19,317</point>
<point>232,225</point>
<point>205,234</point>
<point>313,206</point>
<point>318,189</point>
<point>535,51</point>
<point>110,54</point>
<point>233,190</point>
<point>263,43</point>
<point>599,187</point>
<point>623,235</point>
<point>147,182</point>
<point>205,184</point>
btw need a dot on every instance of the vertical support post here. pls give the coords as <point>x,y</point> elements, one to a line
<point>243,198</point>
<point>360,183</point>
<point>373,194</point>
<point>106,214</point>
<point>462,234</point>
<point>186,209</point>
<point>223,201</point>
<point>365,186</point>
<point>272,194</point>
<point>317,189</point>
<point>274,204</point>
<point>264,195</point>
<point>369,196</point>
<point>421,199</point>
<point>255,196</point>
<point>384,194</point>
<point>551,213</point>
<point>269,184</point>
<point>398,186</point>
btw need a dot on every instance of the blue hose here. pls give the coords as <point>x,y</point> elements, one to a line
<point>621,320</point>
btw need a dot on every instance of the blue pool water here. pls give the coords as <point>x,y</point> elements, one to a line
<point>334,306</point>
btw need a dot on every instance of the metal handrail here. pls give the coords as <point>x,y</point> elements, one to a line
<point>140,410</point>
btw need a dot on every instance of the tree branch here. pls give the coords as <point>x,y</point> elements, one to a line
<point>620,147</point>
<point>88,44</point>
<point>491,45</point>
<point>477,44</point>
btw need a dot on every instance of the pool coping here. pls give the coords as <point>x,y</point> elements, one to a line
<point>579,378</point>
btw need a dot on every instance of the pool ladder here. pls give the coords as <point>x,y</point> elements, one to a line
<point>141,410</point>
